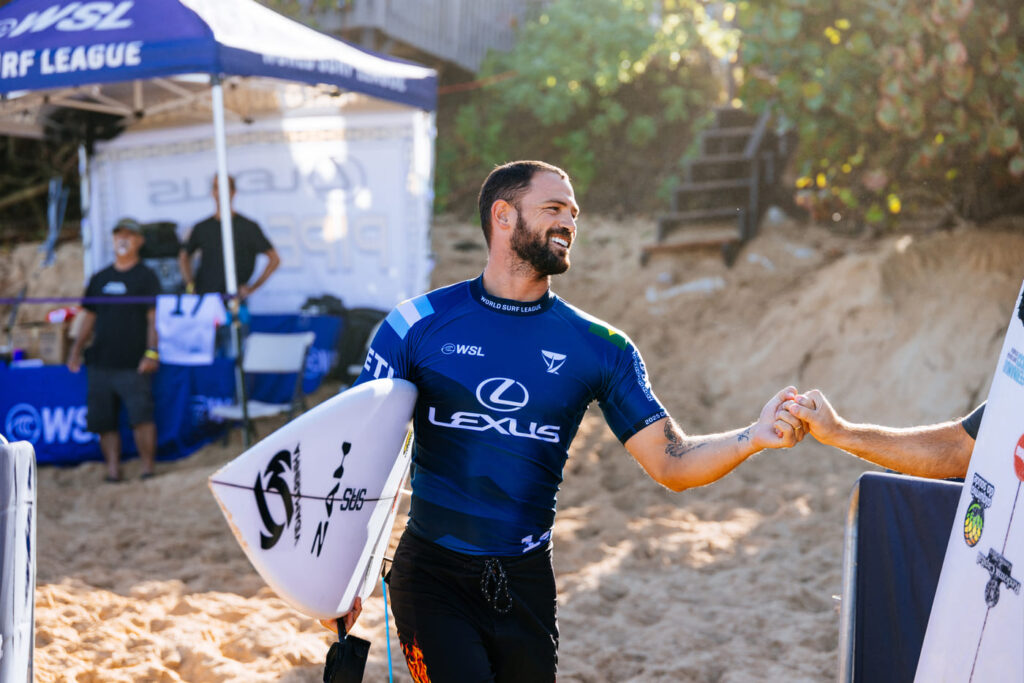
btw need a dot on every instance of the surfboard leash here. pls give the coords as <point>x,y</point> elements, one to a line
<point>387,627</point>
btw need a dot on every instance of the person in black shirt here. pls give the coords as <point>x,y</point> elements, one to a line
<point>123,354</point>
<point>206,239</point>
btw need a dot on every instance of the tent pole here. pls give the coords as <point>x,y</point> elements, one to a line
<point>228,240</point>
<point>85,199</point>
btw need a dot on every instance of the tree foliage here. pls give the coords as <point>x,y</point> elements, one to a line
<point>896,103</point>
<point>607,89</point>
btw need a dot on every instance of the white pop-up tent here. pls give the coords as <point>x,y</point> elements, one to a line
<point>147,60</point>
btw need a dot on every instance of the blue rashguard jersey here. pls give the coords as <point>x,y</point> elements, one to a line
<point>503,386</point>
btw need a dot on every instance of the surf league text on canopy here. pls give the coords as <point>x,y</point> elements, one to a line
<point>68,59</point>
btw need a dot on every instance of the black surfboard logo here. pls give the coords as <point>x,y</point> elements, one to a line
<point>274,474</point>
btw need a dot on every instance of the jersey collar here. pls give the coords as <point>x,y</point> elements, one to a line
<point>509,306</point>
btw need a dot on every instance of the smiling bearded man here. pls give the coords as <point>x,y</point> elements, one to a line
<point>505,370</point>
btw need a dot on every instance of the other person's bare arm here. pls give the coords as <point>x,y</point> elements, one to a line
<point>938,451</point>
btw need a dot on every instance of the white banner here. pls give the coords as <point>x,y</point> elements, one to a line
<point>976,627</point>
<point>345,200</point>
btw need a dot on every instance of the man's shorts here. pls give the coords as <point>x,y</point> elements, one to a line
<point>109,389</point>
<point>452,632</point>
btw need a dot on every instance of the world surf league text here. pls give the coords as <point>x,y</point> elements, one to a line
<point>60,60</point>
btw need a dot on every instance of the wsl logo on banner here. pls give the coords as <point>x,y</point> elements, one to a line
<point>47,426</point>
<point>74,16</point>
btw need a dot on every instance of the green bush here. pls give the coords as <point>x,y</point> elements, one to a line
<point>607,89</point>
<point>896,104</point>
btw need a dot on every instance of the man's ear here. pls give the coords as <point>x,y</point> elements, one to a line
<point>503,215</point>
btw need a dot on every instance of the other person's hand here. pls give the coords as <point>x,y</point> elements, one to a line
<point>348,619</point>
<point>148,366</point>
<point>816,412</point>
<point>74,361</point>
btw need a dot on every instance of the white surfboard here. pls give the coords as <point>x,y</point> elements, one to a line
<point>312,504</point>
<point>976,626</point>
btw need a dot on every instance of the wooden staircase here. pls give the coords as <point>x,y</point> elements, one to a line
<point>721,199</point>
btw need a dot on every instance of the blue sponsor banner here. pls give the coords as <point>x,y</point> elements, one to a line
<point>46,405</point>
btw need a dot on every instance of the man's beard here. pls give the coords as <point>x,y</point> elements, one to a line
<point>535,250</point>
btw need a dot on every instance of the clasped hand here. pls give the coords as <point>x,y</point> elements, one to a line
<point>797,415</point>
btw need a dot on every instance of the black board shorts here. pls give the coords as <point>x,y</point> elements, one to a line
<point>109,389</point>
<point>457,623</point>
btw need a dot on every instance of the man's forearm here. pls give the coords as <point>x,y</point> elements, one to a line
<point>273,261</point>
<point>185,265</point>
<point>684,462</point>
<point>936,451</point>
<point>152,341</point>
<point>84,333</point>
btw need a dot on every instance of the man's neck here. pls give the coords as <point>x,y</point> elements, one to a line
<point>123,263</point>
<point>515,284</point>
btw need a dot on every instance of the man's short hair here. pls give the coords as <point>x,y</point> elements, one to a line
<point>231,182</point>
<point>509,182</point>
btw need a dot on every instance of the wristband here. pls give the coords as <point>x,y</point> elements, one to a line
<point>190,288</point>
<point>151,354</point>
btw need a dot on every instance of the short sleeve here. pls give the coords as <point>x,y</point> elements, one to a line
<point>972,423</point>
<point>91,290</point>
<point>386,357</point>
<point>193,242</point>
<point>627,400</point>
<point>260,243</point>
<point>151,285</point>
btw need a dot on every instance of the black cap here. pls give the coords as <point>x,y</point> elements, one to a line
<point>128,224</point>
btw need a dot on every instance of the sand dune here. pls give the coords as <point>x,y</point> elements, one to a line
<point>733,582</point>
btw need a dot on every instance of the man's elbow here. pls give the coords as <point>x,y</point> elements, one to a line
<point>676,486</point>
<point>673,483</point>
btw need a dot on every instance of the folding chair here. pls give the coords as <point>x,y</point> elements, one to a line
<point>897,529</point>
<point>266,353</point>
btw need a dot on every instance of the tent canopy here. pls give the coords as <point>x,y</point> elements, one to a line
<point>54,44</point>
<point>137,58</point>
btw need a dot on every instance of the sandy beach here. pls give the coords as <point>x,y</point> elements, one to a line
<point>731,583</point>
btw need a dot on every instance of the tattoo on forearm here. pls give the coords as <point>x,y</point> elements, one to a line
<point>744,435</point>
<point>676,448</point>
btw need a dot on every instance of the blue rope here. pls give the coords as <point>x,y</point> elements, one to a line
<point>387,628</point>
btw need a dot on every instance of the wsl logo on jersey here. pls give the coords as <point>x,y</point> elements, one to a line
<point>501,395</point>
<point>462,350</point>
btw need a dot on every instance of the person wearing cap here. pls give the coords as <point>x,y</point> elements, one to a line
<point>123,354</point>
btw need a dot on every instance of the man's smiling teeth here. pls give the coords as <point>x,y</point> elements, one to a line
<point>559,240</point>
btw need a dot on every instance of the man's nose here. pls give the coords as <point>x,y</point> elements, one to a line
<point>569,222</point>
